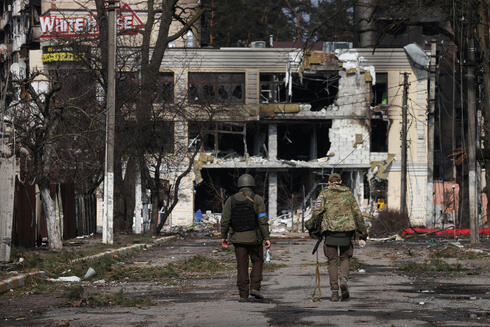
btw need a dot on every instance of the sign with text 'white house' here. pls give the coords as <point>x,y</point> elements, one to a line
<point>63,26</point>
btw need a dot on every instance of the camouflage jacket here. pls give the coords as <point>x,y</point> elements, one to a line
<point>339,210</point>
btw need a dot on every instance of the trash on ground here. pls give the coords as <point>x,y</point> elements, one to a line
<point>384,239</point>
<point>73,279</point>
<point>90,273</point>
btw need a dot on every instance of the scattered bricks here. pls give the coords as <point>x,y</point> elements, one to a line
<point>18,281</point>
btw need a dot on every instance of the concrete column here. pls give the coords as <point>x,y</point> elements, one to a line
<point>359,187</point>
<point>272,148</point>
<point>183,213</point>
<point>313,143</point>
<point>181,137</point>
<point>272,195</point>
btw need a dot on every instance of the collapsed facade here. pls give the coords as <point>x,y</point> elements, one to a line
<point>300,116</point>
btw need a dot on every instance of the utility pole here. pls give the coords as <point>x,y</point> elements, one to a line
<point>484,41</point>
<point>403,183</point>
<point>108,219</point>
<point>429,203</point>
<point>471,146</point>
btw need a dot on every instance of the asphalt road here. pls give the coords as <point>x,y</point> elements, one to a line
<point>380,296</point>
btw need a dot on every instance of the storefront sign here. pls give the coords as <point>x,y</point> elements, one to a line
<point>62,54</point>
<point>63,26</point>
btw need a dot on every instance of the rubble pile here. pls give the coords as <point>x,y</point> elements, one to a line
<point>208,223</point>
<point>289,222</point>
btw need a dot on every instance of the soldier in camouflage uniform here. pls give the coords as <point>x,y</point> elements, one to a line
<point>245,221</point>
<point>340,220</point>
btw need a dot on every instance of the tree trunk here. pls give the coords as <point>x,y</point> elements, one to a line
<point>138,206</point>
<point>155,201</point>
<point>54,236</point>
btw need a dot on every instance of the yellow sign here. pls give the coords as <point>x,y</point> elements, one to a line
<point>62,57</point>
<point>53,54</point>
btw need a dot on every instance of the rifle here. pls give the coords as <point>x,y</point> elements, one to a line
<point>317,245</point>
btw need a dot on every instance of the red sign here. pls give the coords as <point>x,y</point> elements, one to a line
<point>61,26</point>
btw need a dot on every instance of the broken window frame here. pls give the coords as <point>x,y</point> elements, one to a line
<point>165,91</point>
<point>380,90</point>
<point>273,91</point>
<point>216,87</point>
<point>375,120</point>
<point>216,130</point>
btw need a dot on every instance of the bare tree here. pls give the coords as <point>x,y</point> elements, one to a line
<point>58,135</point>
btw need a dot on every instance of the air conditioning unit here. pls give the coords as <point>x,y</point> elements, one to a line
<point>330,47</point>
<point>257,44</point>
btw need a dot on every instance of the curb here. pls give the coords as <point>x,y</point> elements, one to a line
<point>126,249</point>
<point>18,281</point>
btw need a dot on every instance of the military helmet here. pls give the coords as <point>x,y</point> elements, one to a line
<point>246,180</point>
<point>334,177</point>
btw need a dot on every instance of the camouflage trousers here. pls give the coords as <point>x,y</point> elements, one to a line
<point>338,257</point>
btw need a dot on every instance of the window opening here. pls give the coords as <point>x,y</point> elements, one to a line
<point>216,88</point>
<point>303,141</point>
<point>165,91</point>
<point>380,90</point>
<point>319,89</point>
<point>379,135</point>
<point>272,88</point>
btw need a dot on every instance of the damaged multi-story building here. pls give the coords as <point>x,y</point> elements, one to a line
<point>292,117</point>
<point>19,33</point>
<point>302,116</point>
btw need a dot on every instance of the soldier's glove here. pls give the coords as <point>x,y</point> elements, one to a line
<point>362,243</point>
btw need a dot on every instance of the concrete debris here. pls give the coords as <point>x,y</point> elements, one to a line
<point>395,237</point>
<point>289,222</point>
<point>351,60</point>
<point>71,279</point>
<point>457,244</point>
<point>208,224</point>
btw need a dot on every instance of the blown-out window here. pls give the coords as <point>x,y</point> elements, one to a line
<point>217,88</point>
<point>165,90</point>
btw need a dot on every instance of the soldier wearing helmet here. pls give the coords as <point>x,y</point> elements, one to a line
<point>340,218</point>
<point>245,224</point>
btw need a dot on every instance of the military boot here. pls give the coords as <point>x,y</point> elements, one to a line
<point>335,296</point>
<point>344,291</point>
<point>256,294</point>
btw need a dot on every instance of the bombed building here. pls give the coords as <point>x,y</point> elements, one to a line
<point>293,117</point>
